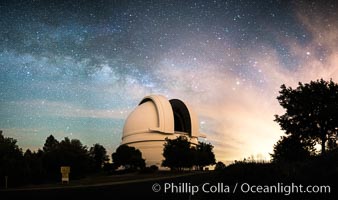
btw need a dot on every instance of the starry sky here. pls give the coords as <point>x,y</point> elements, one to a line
<point>77,68</point>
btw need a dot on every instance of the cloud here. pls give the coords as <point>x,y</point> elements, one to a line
<point>230,81</point>
<point>318,57</point>
<point>237,114</point>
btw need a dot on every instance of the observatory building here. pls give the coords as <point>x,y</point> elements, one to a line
<point>156,118</point>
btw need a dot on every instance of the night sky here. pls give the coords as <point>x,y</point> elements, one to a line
<point>77,68</point>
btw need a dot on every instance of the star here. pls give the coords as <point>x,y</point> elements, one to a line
<point>78,68</point>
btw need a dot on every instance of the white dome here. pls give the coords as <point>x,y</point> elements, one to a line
<point>157,118</point>
<point>153,113</point>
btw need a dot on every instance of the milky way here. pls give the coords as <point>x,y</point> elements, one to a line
<point>77,68</point>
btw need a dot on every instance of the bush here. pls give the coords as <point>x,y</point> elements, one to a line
<point>151,169</point>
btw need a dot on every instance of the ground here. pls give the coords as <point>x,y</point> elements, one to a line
<point>230,183</point>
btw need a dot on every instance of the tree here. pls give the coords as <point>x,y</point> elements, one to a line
<point>72,153</point>
<point>34,171</point>
<point>220,166</point>
<point>311,111</point>
<point>51,158</point>
<point>11,161</point>
<point>204,155</point>
<point>129,157</point>
<point>292,149</point>
<point>98,155</point>
<point>51,144</point>
<point>178,153</point>
<point>65,153</point>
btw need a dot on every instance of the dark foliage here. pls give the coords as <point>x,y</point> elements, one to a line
<point>151,169</point>
<point>179,154</point>
<point>72,153</point>
<point>311,111</point>
<point>219,166</point>
<point>204,155</point>
<point>99,157</point>
<point>11,161</point>
<point>51,158</point>
<point>33,167</point>
<point>65,153</point>
<point>128,157</point>
<point>44,165</point>
<point>292,149</point>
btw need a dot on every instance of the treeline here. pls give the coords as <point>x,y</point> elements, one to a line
<point>44,165</point>
<point>179,154</point>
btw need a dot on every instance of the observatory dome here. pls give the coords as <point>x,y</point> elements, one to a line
<point>156,118</point>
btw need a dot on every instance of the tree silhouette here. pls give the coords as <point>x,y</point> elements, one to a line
<point>44,165</point>
<point>72,153</point>
<point>178,153</point>
<point>51,144</point>
<point>98,155</point>
<point>220,166</point>
<point>291,149</point>
<point>11,161</point>
<point>34,171</point>
<point>51,158</point>
<point>204,155</point>
<point>65,153</point>
<point>129,157</point>
<point>311,111</point>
